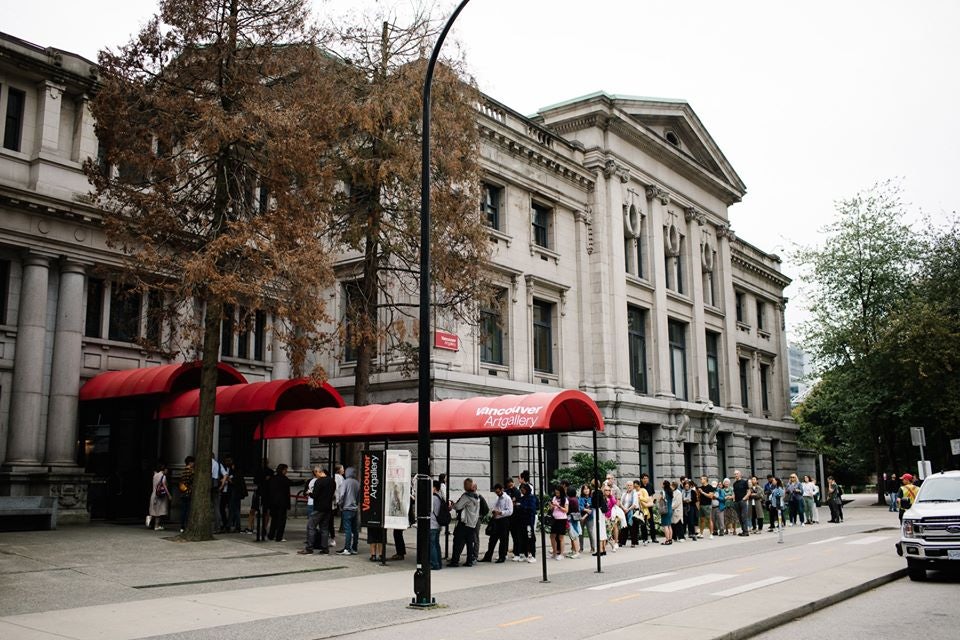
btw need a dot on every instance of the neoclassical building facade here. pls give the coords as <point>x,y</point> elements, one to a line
<point>615,267</point>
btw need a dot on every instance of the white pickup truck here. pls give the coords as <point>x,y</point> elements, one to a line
<point>930,533</point>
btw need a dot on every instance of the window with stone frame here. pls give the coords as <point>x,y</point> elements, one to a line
<point>761,315</point>
<point>741,305</point>
<point>93,321</point>
<point>677,334</point>
<point>491,202</point>
<point>543,336</point>
<point>541,225</point>
<point>637,347</point>
<point>259,335</point>
<point>13,122</point>
<point>125,308</point>
<point>491,328</point>
<point>4,289</point>
<point>765,387</point>
<point>744,383</point>
<point>713,367</point>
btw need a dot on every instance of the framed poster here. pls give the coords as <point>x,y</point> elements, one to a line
<point>372,465</point>
<point>397,490</point>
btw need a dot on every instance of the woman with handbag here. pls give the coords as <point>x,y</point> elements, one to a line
<point>159,505</point>
<point>558,525</point>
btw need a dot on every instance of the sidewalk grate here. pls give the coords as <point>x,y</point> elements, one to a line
<point>228,579</point>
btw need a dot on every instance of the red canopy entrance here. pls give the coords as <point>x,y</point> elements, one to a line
<point>254,398</point>
<point>484,416</point>
<point>147,381</point>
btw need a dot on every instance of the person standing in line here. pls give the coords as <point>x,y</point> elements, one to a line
<point>757,500</point>
<point>808,489</point>
<point>777,496</point>
<point>237,492</point>
<point>224,504</point>
<point>186,490</point>
<point>159,505</point>
<point>677,521</point>
<point>645,499</point>
<point>338,479</point>
<point>666,512</point>
<point>310,486</point>
<point>558,522</point>
<point>631,509</point>
<point>279,490</point>
<point>318,522</point>
<point>435,506</point>
<point>218,476</point>
<point>834,500</point>
<point>347,497</point>
<point>574,530</point>
<point>467,508</point>
<point>794,500</point>
<point>256,501</point>
<point>705,497</point>
<point>741,489</point>
<point>690,509</point>
<point>907,494</point>
<point>513,492</point>
<point>587,518</point>
<point>501,511</point>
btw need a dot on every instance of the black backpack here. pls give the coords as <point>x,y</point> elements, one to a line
<point>484,507</point>
<point>443,513</point>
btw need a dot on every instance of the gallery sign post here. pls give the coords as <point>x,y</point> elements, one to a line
<point>372,484</point>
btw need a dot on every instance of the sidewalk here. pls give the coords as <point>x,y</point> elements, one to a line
<point>104,581</point>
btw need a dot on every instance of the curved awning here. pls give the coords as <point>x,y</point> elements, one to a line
<point>255,397</point>
<point>165,378</point>
<point>511,415</point>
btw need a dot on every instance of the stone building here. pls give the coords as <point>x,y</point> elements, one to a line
<point>617,271</point>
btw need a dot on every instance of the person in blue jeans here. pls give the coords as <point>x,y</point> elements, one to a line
<point>347,495</point>
<point>435,507</point>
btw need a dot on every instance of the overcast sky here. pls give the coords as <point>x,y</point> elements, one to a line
<point>810,102</point>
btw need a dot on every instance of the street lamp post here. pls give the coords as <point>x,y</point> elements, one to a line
<point>421,579</point>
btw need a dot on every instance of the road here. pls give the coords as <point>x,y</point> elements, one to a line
<point>901,609</point>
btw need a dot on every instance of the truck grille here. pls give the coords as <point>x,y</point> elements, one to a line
<point>942,529</point>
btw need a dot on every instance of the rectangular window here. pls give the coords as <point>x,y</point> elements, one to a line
<point>491,330</point>
<point>764,374</point>
<point>645,438</point>
<point>124,322</point>
<point>259,334</point>
<point>744,380</point>
<point>709,289</point>
<point>678,358</point>
<point>680,273</point>
<point>741,312</point>
<point>713,367</point>
<point>352,296</point>
<point>226,331</point>
<point>761,312</point>
<point>636,342</point>
<point>94,318</point>
<point>13,126</point>
<point>4,289</point>
<point>542,336</point>
<point>490,198</point>
<point>688,448</point>
<point>541,225</point>
<point>243,338</point>
<point>154,317</point>
<point>774,445</point>
<point>754,444</point>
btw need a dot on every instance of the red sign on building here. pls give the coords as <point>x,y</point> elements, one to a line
<point>446,340</point>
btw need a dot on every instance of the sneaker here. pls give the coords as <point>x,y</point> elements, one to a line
<point>353,552</point>
<point>517,559</point>
<point>282,540</point>
<point>305,552</point>
<point>558,558</point>
<point>710,537</point>
<point>344,552</point>
<point>575,556</point>
<point>531,559</point>
<point>159,527</point>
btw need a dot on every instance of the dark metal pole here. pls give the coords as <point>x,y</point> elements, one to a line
<point>446,535</point>
<point>260,489</point>
<point>543,506</point>
<point>421,579</point>
<point>596,487</point>
<point>383,518</point>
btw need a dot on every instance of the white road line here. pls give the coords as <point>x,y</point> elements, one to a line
<point>613,585</point>
<point>869,540</point>
<point>680,585</point>
<point>750,586</point>
<point>827,540</point>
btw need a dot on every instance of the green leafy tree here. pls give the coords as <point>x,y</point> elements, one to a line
<point>216,114</point>
<point>580,471</point>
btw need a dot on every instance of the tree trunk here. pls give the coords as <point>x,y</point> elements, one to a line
<point>200,525</point>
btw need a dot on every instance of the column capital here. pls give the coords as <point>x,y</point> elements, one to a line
<point>71,265</point>
<point>656,193</point>
<point>33,258</point>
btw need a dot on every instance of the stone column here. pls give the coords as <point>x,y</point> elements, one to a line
<point>50,98</point>
<point>756,391</point>
<point>279,450</point>
<point>659,199</point>
<point>179,440</point>
<point>26,434</point>
<point>698,336</point>
<point>725,290</point>
<point>85,138</point>
<point>782,365</point>
<point>64,372</point>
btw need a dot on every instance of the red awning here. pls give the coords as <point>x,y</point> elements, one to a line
<point>147,381</point>
<point>473,417</point>
<point>255,397</point>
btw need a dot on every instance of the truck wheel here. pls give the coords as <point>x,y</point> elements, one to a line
<point>916,572</point>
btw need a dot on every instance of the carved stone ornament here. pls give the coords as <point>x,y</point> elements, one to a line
<point>691,213</point>
<point>612,169</point>
<point>631,221</point>
<point>683,421</point>
<point>671,239</point>
<point>707,254</point>
<point>724,231</point>
<point>656,193</point>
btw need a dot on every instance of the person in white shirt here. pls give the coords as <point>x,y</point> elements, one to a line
<point>501,511</point>
<point>630,505</point>
<point>810,491</point>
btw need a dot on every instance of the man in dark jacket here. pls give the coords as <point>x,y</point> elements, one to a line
<point>323,491</point>
<point>278,490</point>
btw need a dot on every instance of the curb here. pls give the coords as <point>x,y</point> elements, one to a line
<point>811,607</point>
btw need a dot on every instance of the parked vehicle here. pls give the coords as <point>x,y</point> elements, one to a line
<point>930,532</point>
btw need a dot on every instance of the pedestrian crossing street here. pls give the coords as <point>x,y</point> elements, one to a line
<point>700,581</point>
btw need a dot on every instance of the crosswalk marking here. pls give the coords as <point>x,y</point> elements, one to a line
<point>834,539</point>
<point>614,585</point>
<point>750,586</point>
<point>680,585</point>
<point>868,540</point>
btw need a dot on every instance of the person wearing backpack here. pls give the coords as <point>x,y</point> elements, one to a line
<point>437,506</point>
<point>159,505</point>
<point>467,507</point>
<point>907,494</point>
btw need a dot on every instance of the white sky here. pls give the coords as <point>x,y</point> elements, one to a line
<point>810,102</point>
